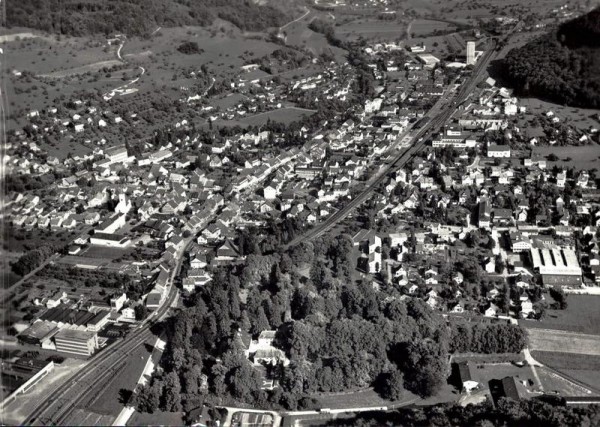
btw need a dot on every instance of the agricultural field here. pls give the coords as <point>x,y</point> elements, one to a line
<point>582,315</point>
<point>427,27</point>
<point>65,62</point>
<point>157,418</point>
<point>224,50</point>
<point>579,117</point>
<point>579,157</point>
<point>564,342</point>
<point>372,30</point>
<point>555,383</point>
<point>583,368</point>
<point>360,398</point>
<point>468,11</point>
<point>282,115</point>
<point>44,55</point>
<point>300,36</point>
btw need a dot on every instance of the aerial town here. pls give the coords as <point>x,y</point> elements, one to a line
<point>369,216</point>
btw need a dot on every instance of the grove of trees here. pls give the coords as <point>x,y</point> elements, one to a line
<point>339,334</point>
<point>547,412</point>
<point>563,65</point>
<point>137,17</point>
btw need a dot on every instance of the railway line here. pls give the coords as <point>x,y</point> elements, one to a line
<point>85,383</point>
<point>418,142</point>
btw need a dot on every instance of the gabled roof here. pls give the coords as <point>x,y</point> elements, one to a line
<point>464,371</point>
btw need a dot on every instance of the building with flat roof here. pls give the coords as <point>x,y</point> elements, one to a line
<point>557,266</point>
<point>82,343</point>
<point>110,240</point>
<point>471,53</point>
<point>456,138</point>
<point>428,60</point>
<point>21,376</point>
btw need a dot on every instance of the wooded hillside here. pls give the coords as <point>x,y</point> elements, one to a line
<point>562,66</point>
<point>136,17</point>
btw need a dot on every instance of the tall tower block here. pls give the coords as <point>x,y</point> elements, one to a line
<point>470,53</point>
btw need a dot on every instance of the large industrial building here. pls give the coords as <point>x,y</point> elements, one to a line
<point>558,266</point>
<point>81,343</point>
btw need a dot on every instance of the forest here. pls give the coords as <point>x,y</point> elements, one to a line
<point>547,412</point>
<point>562,66</point>
<point>338,333</point>
<point>136,17</point>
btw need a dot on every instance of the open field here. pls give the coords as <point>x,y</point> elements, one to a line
<point>579,117</point>
<point>225,50</point>
<point>156,418</point>
<point>582,315</point>
<point>108,254</point>
<point>372,29</point>
<point>583,368</point>
<point>299,35</point>
<point>564,342</point>
<point>108,402</point>
<point>580,157</point>
<point>44,55</point>
<point>283,115</point>
<point>426,27</point>
<point>361,398</point>
<point>468,11</point>
<point>553,382</point>
<point>90,68</point>
<point>571,361</point>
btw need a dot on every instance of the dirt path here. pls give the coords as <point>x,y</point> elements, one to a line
<point>123,89</point>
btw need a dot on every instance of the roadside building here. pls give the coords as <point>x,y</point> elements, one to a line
<point>558,266</point>
<point>21,376</point>
<point>82,343</point>
<point>466,378</point>
<point>110,240</point>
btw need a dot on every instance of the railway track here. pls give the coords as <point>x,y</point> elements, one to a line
<point>404,157</point>
<point>84,384</point>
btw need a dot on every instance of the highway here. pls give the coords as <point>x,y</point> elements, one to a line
<point>417,144</point>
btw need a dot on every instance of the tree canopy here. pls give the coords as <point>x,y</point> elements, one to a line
<point>563,65</point>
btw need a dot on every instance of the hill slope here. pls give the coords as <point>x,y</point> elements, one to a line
<point>136,17</point>
<point>563,65</point>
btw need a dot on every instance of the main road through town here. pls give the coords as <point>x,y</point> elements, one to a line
<point>448,108</point>
<point>83,386</point>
